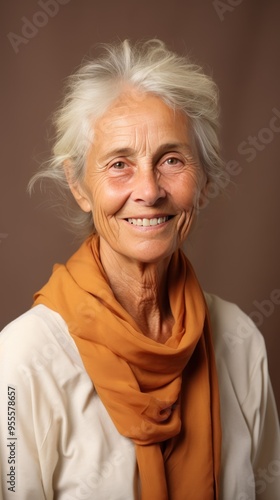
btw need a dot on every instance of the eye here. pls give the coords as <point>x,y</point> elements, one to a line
<point>119,168</point>
<point>118,165</point>
<point>172,161</point>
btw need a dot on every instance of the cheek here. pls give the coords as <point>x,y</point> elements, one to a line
<point>107,200</point>
<point>186,192</point>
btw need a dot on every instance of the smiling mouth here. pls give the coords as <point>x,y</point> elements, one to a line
<point>155,221</point>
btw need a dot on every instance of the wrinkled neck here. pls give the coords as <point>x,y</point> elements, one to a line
<point>141,289</point>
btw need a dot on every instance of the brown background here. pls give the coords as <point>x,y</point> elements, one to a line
<point>235,247</point>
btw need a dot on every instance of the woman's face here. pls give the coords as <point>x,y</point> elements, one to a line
<point>141,180</point>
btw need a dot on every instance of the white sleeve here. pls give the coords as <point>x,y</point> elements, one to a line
<point>250,425</point>
<point>25,418</point>
<point>261,414</point>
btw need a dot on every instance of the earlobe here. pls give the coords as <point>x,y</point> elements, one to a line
<point>80,197</point>
<point>202,199</point>
<point>77,191</point>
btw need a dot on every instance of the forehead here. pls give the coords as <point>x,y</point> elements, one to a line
<point>138,114</point>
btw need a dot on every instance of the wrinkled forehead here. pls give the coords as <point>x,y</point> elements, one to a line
<point>139,112</point>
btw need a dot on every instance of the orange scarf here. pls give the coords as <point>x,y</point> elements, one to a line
<point>162,396</point>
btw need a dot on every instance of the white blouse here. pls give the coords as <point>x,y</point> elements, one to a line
<point>58,442</point>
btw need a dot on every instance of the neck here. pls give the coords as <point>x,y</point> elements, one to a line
<point>141,289</point>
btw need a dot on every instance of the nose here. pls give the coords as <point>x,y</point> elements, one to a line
<point>148,188</point>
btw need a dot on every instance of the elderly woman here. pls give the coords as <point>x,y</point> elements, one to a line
<point>120,382</point>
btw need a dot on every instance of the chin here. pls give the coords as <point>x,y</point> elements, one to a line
<point>151,253</point>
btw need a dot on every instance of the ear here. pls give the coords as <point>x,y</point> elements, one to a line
<point>203,198</point>
<point>77,191</point>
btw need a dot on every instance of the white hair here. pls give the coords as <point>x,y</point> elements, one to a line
<point>149,67</point>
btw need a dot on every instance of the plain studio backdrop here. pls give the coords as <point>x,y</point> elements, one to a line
<point>235,245</point>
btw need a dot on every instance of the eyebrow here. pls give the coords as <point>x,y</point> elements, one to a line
<point>163,148</point>
<point>171,146</point>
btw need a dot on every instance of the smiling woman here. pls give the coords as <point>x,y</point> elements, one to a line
<point>129,388</point>
<point>119,80</point>
<point>141,181</point>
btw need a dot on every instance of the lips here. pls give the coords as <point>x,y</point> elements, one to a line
<point>153,221</point>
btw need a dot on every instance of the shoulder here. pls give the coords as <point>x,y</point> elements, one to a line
<point>239,346</point>
<point>232,328</point>
<point>36,340</point>
<point>39,318</point>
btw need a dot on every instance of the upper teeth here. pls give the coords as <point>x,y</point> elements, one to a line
<point>148,222</point>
